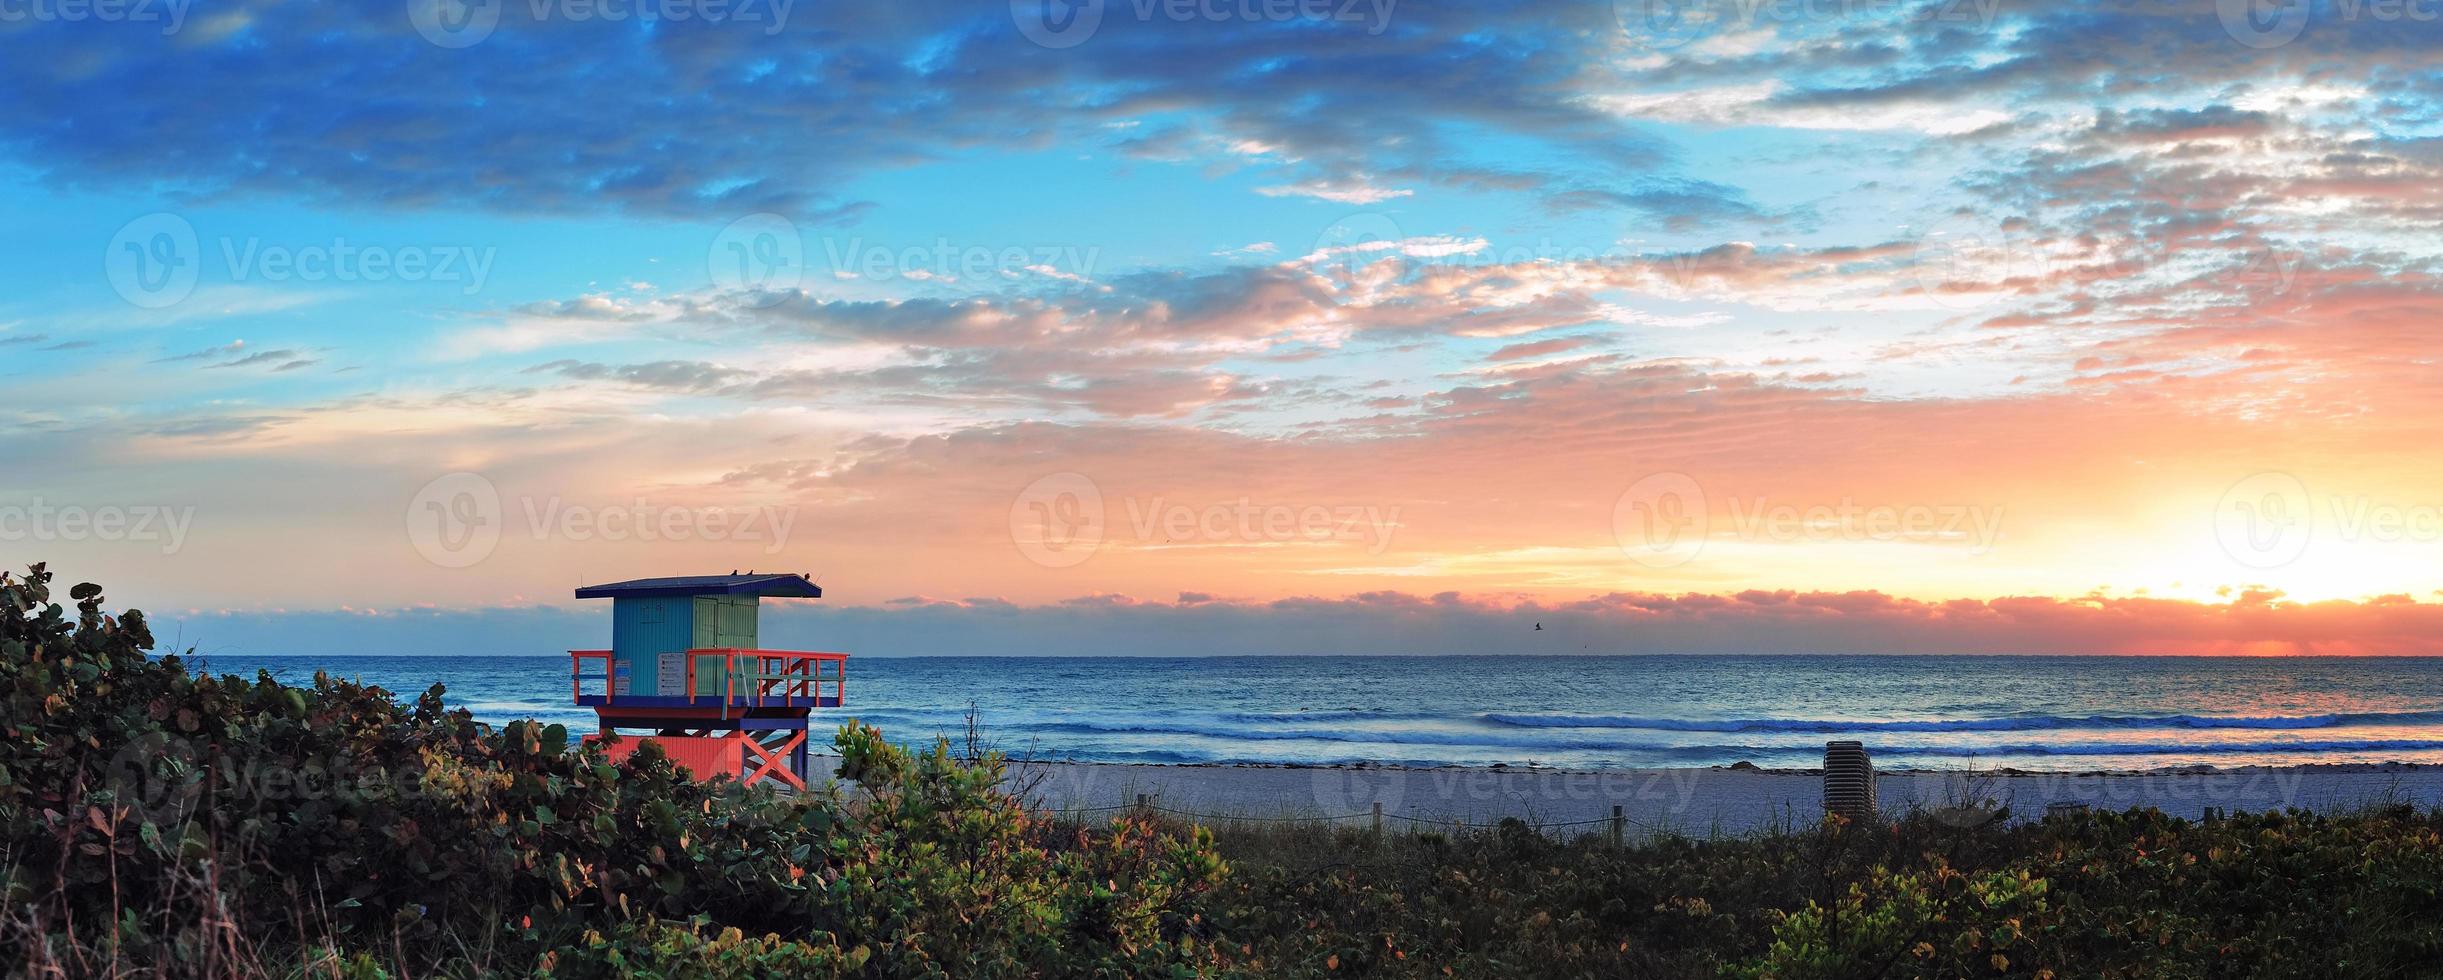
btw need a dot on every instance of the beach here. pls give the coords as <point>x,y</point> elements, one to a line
<point>1697,802</point>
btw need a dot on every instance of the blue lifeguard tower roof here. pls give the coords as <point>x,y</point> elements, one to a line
<point>764,584</point>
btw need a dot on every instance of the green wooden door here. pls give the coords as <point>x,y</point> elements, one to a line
<point>722,622</point>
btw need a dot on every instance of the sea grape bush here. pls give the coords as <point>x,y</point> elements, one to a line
<point>158,820</point>
<point>2133,895</point>
<point>159,823</point>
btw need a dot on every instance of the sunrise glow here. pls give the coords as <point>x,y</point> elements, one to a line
<point>2054,305</point>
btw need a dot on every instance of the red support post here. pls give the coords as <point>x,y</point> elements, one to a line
<point>772,763</point>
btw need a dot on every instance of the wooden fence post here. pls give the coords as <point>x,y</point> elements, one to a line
<point>1617,820</point>
<point>1378,818</point>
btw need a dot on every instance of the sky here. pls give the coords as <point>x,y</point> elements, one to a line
<point>1235,326</point>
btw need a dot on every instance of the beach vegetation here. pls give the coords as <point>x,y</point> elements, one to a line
<point>157,822</point>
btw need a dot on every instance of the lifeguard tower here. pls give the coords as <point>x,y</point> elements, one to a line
<point>684,671</point>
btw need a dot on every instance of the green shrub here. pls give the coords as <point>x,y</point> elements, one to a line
<point>657,949</point>
<point>220,826</point>
<point>2136,895</point>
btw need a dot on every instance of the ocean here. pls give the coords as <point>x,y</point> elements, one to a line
<point>1926,712</point>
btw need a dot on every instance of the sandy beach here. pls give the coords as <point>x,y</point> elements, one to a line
<point>1696,802</point>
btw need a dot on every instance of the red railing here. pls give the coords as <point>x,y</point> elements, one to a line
<point>576,674</point>
<point>750,678</point>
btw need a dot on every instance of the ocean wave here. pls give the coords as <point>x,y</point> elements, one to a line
<point>502,707</point>
<point>1191,757</point>
<point>1006,715</point>
<point>1322,714</point>
<point>1490,740</point>
<point>2180,748</point>
<point>1657,749</point>
<point>2021,724</point>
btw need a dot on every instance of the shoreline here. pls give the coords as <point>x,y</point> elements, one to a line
<point>1701,801</point>
<point>2195,768</point>
<point>2198,768</point>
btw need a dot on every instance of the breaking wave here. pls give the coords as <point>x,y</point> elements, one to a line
<point>2020,724</point>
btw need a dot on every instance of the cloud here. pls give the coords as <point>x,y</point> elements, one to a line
<point>1342,192</point>
<point>1390,623</point>
<point>205,354</point>
<point>1907,254</point>
<point>1556,345</point>
<point>697,117</point>
<point>694,376</point>
<point>282,355</point>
